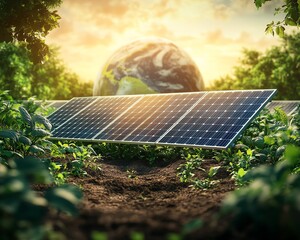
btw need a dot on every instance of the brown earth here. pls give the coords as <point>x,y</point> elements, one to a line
<point>124,199</point>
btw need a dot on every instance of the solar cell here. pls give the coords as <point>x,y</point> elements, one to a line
<point>69,110</point>
<point>288,106</point>
<point>217,119</point>
<point>198,119</point>
<point>153,116</point>
<point>95,117</point>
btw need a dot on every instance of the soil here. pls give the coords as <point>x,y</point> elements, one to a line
<point>123,199</point>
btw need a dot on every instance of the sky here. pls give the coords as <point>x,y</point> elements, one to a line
<point>212,32</point>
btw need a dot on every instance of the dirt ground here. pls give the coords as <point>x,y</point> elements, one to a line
<point>128,198</point>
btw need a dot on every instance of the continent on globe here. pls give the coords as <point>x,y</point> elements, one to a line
<point>148,65</point>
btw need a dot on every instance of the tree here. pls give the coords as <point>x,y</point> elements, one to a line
<point>15,70</point>
<point>291,8</point>
<point>50,80</point>
<point>277,68</point>
<point>28,21</point>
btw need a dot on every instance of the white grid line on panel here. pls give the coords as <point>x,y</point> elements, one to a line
<point>151,114</point>
<point>75,114</point>
<point>120,115</point>
<point>251,118</point>
<point>183,116</point>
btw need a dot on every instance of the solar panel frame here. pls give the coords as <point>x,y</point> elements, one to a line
<point>167,144</point>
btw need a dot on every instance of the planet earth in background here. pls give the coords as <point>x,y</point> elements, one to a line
<point>148,65</point>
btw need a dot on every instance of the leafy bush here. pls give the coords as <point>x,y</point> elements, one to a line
<point>151,154</point>
<point>23,147</point>
<point>263,142</point>
<point>278,68</point>
<point>79,159</point>
<point>270,205</point>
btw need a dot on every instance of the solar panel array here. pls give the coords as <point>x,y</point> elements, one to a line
<point>288,106</point>
<point>197,119</point>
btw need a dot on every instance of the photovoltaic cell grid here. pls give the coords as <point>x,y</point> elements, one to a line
<point>288,106</point>
<point>217,119</point>
<point>63,114</point>
<point>153,116</point>
<point>94,118</point>
<point>201,119</point>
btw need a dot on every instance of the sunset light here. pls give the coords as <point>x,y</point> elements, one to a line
<point>213,33</point>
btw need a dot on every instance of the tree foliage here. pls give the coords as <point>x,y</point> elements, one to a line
<point>15,70</point>
<point>28,21</point>
<point>50,80</point>
<point>291,9</point>
<point>278,67</point>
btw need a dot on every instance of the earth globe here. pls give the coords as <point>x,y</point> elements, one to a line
<point>148,65</point>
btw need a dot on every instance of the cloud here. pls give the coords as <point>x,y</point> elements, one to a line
<point>116,8</point>
<point>65,27</point>
<point>221,11</point>
<point>90,40</point>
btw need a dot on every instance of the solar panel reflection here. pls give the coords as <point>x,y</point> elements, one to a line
<point>199,119</point>
<point>69,110</point>
<point>95,117</point>
<point>153,116</point>
<point>217,119</point>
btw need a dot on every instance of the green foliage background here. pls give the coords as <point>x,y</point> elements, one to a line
<point>48,80</point>
<point>278,67</point>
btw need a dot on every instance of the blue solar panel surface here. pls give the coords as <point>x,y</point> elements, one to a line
<point>154,115</point>
<point>88,123</point>
<point>199,119</point>
<point>69,110</point>
<point>217,119</point>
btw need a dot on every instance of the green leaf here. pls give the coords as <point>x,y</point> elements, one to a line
<point>241,172</point>
<point>25,115</point>
<point>25,140</point>
<point>269,30</point>
<point>39,132</point>
<point>249,152</point>
<point>259,3</point>
<point>11,154</point>
<point>290,21</point>
<point>34,169</point>
<point>10,134</point>
<point>280,31</point>
<point>42,120</point>
<point>64,198</point>
<point>213,171</point>
<point>269,140</point>
<point>292,154</point>
<point>36,149</point>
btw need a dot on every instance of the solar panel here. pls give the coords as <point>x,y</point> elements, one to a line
<point>154,115</point>
<point>217,119</point>
<point>95,117</point>
<point>198,119</point>
<point>288,106</point>
<point>69,110</point>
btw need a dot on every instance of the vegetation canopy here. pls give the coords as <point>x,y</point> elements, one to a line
<point>29,21</point>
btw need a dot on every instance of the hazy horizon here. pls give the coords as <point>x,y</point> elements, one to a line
<point>212,32</point>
